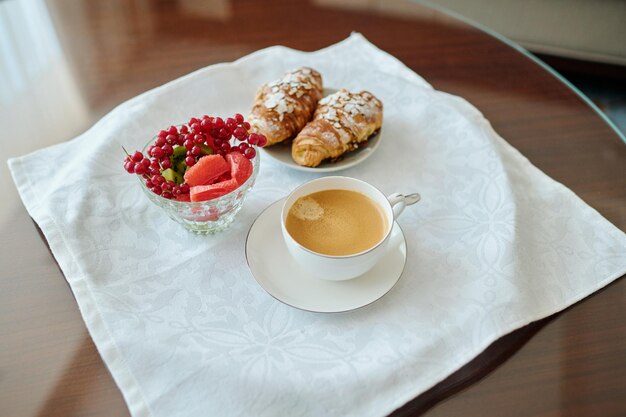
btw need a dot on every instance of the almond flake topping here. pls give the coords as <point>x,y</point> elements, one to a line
<point>274,99</point>
<point>283,91</point>
<point>350,105</point>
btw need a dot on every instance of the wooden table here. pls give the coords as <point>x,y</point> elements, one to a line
<point>573,363</point>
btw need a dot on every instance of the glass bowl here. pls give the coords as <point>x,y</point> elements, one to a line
<point>205,217</point>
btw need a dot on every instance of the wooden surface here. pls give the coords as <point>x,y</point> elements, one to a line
<point>572,364</point>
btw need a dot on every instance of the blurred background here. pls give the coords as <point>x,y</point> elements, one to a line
<point>584,40</point>
<point>51,54</point>
<point>45,67</point>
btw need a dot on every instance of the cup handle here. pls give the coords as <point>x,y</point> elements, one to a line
<point>400,201</point>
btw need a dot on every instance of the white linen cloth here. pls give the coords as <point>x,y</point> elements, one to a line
<point>185,329</point>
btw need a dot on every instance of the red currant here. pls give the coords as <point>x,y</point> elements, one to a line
<point>157,179</point>
<point>137,156</point>
<point>140,169</point>
<point>239,133</point>
<point>231,124</point>
<point>167,149</point>
<point>249,153</point>
<point>253,139</point>
<point>157,153</point>
<point>184,188</point>
<point>212,131</point>
<point>167,194</point>
<point>157,190</point>
<point>129,166</point>
<point>224,133</point>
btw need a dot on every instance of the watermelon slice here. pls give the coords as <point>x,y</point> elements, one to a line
<point>224,177</point>
<point>206,170</point>
<point>212,191</point>
<point>240,167</point>
<point>183,197</point>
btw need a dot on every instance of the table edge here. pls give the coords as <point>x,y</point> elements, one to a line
<point>509,42</point>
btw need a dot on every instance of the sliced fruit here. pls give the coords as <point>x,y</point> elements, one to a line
<point>183,197</point>
<point>181,167</point>
<point>206,170</point>
<point>178,160</point>
<point>240,167</point>
<point>171,175</point>
<point>212,191</point>
<point>206,150</point>
<point>224,177</point>
<point>179,153</point>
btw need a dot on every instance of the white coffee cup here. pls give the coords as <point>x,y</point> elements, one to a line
<point>339,268</point>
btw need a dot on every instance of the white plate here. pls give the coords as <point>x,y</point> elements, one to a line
<point>279,275</point>
<point>281,152</point>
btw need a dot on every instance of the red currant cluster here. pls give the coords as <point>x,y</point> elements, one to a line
<point>177,148</point>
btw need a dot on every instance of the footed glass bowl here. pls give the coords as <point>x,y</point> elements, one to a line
<point>206,217</point>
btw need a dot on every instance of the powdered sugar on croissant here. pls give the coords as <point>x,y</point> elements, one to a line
<point>281,108</point>
<point>342,122</point>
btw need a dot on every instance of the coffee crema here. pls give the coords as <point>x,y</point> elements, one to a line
<point>336,222</point>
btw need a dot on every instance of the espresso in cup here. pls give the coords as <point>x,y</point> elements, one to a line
<point>336,222</point>
<point>320,245</point>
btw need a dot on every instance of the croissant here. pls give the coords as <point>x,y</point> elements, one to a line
<point>281,108</point>
<point>342,121</point>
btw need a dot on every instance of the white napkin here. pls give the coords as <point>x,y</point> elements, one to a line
<point>185,329</point>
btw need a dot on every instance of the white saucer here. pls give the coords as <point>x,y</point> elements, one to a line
<point>279,275</point>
